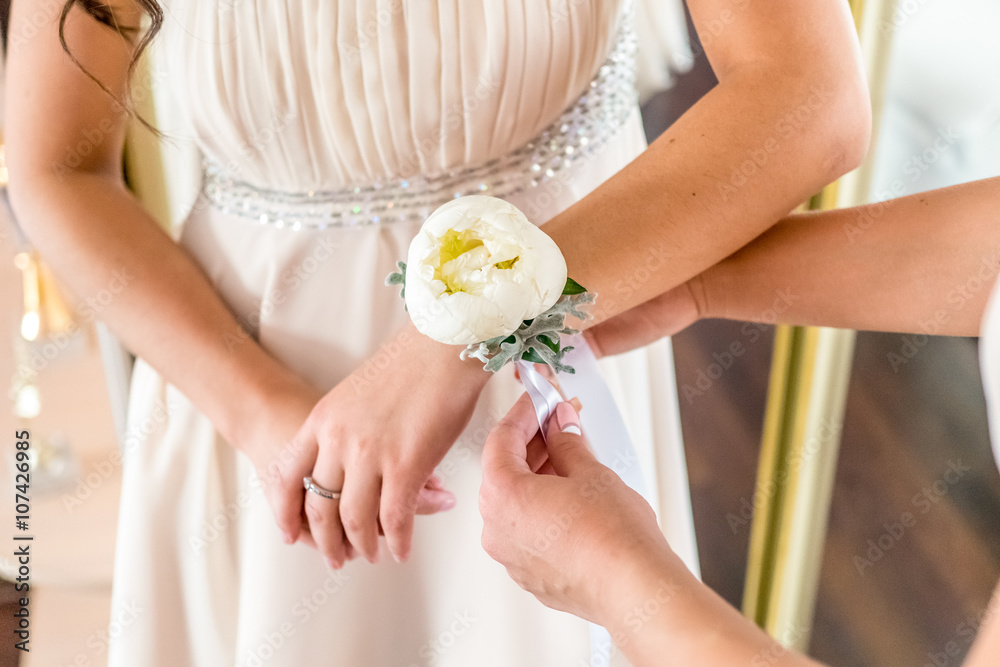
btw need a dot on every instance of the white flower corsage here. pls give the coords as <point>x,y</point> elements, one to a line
<point>480,274</point>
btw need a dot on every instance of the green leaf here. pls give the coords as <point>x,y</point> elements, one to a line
<point>549,342</point>
<point>398,278</point>
<point>532,356</point>
<point>573,287</point>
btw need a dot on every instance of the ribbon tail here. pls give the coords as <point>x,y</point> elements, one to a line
<point>612,445</point>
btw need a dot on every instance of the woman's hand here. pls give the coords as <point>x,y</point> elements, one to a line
<point>376,437</point>
<point>269,442</point>
<point>665,315</point>
<point>556,533</point>
<point>582,541</point>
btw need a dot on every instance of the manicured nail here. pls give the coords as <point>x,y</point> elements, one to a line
<point>287,537</point>
<point>565,419</point>
<point>396,557</point>
<point>448,503</point>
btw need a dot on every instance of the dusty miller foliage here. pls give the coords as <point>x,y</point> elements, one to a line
<point>535,340</point>
<point>398,278</point>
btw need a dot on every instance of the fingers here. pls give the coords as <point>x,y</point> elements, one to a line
<point>358,502</point>
<point>324,514</point>
<point>661,316</point>
<point>505,462</point>
<point>546,468</point>
<point>433,500</point>
<point>282,482</point>
<point>399,503</point>
<point>538,454</point>
<point>619,334</point>
<point>305,537</point>
<point>634,328</point>
<point>567,449</point>
<point>507,446</point>
<point>359,510</point>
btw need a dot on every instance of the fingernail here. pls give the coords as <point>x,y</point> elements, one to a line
<point>565,419</point>
<point>287,537</point>
<point>396,557</point>
<point>448,503</point>
<point>333,564</point>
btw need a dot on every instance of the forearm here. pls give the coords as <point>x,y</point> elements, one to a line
<point>665,616</point>
<point>923,263</point>
<point>987,645</point>
<point>684,204</point>
<point>100,242</point>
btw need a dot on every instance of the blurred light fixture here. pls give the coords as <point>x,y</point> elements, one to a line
<point>27,401</point>
<point>31,319</point>
<point>3,165</point>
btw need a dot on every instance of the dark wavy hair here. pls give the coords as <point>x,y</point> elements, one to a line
<point>102,13</point>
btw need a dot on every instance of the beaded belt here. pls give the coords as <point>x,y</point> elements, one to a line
<point>580,132</point>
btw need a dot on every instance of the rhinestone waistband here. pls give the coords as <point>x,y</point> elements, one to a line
<point>580,132</point>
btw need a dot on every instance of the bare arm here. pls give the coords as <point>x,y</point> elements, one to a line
<point>923,263</point>
<point>789,115</point>
<point>793,58</point>
<point>91,229</point>
<point>655,610</point>
<point>987,646</point>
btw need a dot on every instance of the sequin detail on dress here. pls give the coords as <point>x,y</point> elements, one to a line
<point>577,135</point>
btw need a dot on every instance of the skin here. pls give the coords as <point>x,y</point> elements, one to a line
<point>913,263</point>
<point>918,264</point>
<point>772,61</point>
<point>656,611</point>
<point>556,530</point>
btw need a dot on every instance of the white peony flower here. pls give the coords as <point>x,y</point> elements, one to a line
<point>477,269</point>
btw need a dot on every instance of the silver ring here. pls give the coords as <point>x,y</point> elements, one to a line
<point>311,485</point>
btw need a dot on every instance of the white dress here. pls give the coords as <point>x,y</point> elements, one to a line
<point>989,365</point>
<point>300,108</point>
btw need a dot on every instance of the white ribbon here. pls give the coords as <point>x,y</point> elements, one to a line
<point>608,437</point>
<point>543,395</point>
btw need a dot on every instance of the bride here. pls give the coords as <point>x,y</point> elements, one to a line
<point>269,349</point>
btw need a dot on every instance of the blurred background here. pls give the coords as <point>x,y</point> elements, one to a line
<point>915,407</point>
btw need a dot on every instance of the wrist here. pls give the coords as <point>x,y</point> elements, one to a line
<point>467,374</point>
<point>707,293</point>
<point>659,606</point>
<point>645,582</point>
<point>264,384</point>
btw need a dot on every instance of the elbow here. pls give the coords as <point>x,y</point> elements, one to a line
<point>33,186</point>
<point>26,195</point>
<point>26,182</point>
<point>823,113</point>
<point>845,124</point>
<point>849,131</point>
<point>19,196</point>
